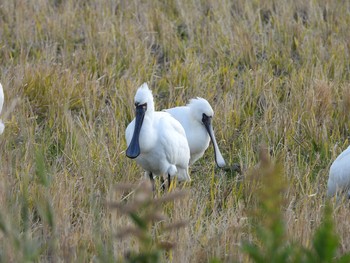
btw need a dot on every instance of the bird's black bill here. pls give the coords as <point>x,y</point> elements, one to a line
<point>134,148</point>
<point>220,162</point>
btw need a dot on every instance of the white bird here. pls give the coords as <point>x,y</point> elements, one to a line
<point>196,118</point>
<point>339,174</point>
<point>2,125</point>
<point>156,140</point>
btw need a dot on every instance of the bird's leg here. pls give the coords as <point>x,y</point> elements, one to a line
<point>169,181</point>
<point>162,183</point>
<point>152,180</point>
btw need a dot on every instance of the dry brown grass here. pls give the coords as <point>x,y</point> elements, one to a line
<point>276,74</point>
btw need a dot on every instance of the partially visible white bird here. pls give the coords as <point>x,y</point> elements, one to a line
<point>157,140</point>
<point>339,174</point>
<point>196,118</point>
<point>2,125</point>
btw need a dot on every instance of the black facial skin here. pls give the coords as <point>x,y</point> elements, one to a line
<point>134,148</point>
<point>207,123</point>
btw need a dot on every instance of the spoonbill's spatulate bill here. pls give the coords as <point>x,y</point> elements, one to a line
<point>339,174</point>
<point>196,118</point>
<point>156,140</point>
<point>2,125</point>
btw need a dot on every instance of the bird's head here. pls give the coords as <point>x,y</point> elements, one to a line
<point>144,98</point>
<point>203,113</point>
<point>200,108</point>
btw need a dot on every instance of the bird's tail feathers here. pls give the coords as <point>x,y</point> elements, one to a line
<point>183,175</point>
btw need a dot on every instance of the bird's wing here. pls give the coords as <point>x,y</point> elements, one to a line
<point>180,113</point>
<point>339,172</point>
<point>173,138</point>
<point>344,155</point>
<point>1,97</point>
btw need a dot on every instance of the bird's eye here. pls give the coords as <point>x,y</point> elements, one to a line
<point>204,117</point>
<point>143,106</point>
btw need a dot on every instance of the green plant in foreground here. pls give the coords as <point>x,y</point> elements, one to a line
<point>272,243</point>
<point>22,245</point>
<point>144,213</point>
<point>325,242</point>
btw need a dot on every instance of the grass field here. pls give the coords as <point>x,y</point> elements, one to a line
<point>275,72</point>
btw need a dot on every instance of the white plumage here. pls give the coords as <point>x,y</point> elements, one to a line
<point>156,140</point>
<point>2,125</point>
<point>339,174</point>
<point>196,118</point>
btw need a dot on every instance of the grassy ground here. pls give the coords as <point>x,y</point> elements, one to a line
<point>275,72</point>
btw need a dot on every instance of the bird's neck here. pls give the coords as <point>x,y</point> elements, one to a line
<point>149,114</point>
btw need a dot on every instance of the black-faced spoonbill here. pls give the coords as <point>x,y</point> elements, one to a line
<point>196,118</point>
<point>156,140</point>
<point>339,174</point>
<point>2,125</point>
